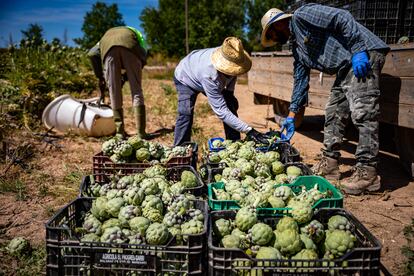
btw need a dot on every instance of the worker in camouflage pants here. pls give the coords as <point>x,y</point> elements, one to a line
<point>331,41</point>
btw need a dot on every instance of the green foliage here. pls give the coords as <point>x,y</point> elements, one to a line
<point>255,11</point>
<point>210,22</point>
<point>97,21</point>
<point>36,75</point>
<point>34,34</point>
<point>408,249</point>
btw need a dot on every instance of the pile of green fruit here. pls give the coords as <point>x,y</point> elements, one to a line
<point>271,136</point>
<point>139,150</point>
<point>154,177</point>
<point>144,208</point>
<point>241,150</point>
<point>289,239</point>
<point>270,195</point>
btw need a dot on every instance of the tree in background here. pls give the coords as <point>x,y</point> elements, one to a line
<point>210,22</point>
<point>33,34</point>
<point>96,22</point>
<point>255,11</point>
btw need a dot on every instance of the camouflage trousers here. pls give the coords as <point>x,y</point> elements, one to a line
<point>360,99</point>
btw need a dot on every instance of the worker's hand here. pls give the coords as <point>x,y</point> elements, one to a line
<point>289,125</point>
<point>360,64</point>
<point>256,136</point>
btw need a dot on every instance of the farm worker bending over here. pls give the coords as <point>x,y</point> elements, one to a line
<point>213,72</point>
<point>121,48</point>
<point>331,41</point>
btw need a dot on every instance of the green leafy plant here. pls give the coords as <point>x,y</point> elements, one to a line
<point>408,249</point>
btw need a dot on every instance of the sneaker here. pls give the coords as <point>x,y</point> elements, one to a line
<point>363,178</point>
<point>328,168</point>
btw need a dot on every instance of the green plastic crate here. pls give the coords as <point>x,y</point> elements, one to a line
<point>309,181</point>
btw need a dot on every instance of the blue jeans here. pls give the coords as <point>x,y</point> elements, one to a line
<point>186,101</point>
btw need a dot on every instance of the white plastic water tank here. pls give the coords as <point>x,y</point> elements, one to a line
<point>65,114</point>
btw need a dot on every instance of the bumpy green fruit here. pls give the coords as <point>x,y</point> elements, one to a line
<point>154,215</point>
<point>288,242</point>
<point>128,212</point>
<point>305,254</point>
<point>314,230</point>
<point>139,225</point>
<point>157,234</point>
<point>339,222</point>
<point>114,206</point>
<point>301,212</point>
<point>277,167</point>
<point>100,208</point>
<point>286,223</point>
<point>262,234</point>
<point>123,149</point>
<point>150,186</point>
<point>230,241</point>
<point>92,225</point>
<point>112,222</point>
<point>245,218</point>
<point>142,154</point>
<point>109,146</point>
<point>284,192</point>
<point>188,179</point>
<point>276,202</point>
<point>91,237</point>
<point>222,227</point>
<point>18,246</point>
<point>281,178</point>
<point>113,235</point>
<point>307,242</point>
<point>268,253</point>
<point>338,242</point>
<point>136,142</point>
<point>191,227</point>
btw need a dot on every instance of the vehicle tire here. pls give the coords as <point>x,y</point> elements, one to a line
<point>281,110</point>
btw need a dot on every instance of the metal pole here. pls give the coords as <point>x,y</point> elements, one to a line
<point>186,27</point>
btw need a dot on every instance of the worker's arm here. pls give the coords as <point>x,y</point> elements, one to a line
<point>300,85</point>
<point>94,55</point>
<point>219,106</point>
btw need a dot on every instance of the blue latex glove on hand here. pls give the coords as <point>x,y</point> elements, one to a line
<point>289,125</point>
<point>360,64</point>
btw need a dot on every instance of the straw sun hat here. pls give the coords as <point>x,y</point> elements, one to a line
<point>271,16</point>
<point>231,58</point>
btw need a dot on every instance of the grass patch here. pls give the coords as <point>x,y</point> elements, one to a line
<point>408,249</point>
<point>31,264</point>
<point>15,186</point>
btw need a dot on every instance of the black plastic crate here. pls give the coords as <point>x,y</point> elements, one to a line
<point>213,171</point>
<point>173,174</point>
<point>387,19</point>
<point>102,164</point>
<point>66,255</point>
<point>364,259</point>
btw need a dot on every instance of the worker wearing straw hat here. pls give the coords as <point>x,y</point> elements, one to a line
<point>213,72</point>
<point>331,41</point>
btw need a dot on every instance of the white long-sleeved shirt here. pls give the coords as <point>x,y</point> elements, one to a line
<point>197,71</point>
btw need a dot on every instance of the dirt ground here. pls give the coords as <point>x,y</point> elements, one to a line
<point>53,179</point>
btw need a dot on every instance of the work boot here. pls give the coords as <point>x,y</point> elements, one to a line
<point>364,178</point>
<point>328,168</point>
<point>119,123</point>
<point>140,120</point>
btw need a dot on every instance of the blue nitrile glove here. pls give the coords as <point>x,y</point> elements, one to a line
<point>289,125</point>
<point>360,64</point>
